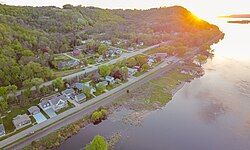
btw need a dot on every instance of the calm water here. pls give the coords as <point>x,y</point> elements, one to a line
<point>210,113</point>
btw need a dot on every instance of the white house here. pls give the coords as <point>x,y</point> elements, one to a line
<point>69,93</point>
<point>56,102</point>
<point>132,71</point>
<point>110,79</point>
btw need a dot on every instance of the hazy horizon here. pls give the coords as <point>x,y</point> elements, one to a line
<point>200,8</point>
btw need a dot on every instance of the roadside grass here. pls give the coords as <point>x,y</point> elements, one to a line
<point>112,86</point>
<point>13,133</point>
<point>162,87</point>
<point>97,93</point>
<point>14,111</point>
<point>60,73</point>
<point>70,105</point>
<point>137,74</point>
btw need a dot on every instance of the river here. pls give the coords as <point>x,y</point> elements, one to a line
<point>210,113</point>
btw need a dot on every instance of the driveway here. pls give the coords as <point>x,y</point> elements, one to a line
<point>39,118</point>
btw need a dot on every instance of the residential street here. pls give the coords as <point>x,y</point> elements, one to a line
<point>94,68</point>
<point>86,108</point>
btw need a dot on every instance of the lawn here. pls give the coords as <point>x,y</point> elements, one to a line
<point>14,111</point>
<point>91,60</point>
<point>110,87</point>
<point>70,105</point>
<point>137,74</point>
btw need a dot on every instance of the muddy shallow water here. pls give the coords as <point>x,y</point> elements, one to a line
<point>210,113</point>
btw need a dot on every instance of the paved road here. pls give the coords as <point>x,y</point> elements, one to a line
<point>94,68</point>
<point>65,54</point>
<point>84,105</point>
<point>86,108</point>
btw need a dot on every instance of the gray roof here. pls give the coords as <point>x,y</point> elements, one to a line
<point>33,109</point>
<point>81,96</point>
<point>68,91</point>
<point>109,78</point>
<point>2,130</point>
<point>55,100</point>
<point>45,103</point>
<point>79,86</point>
<point>104,83</point>
<point>20,119</point>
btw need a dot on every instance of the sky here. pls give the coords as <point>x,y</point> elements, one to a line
<point>202,8</point>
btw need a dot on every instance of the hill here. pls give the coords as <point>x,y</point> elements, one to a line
<point>30,36</point>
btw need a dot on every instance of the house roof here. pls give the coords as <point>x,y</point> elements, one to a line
<point>103,82</point>
<point>45,103</point>
<point>20,119</point>
<point>109,78</point>
<point>2,130</point>
<point>79,86</point>
<point>80,97</point>
<point>33,109</point>
<point>68,91</point>
<point>55,100</point>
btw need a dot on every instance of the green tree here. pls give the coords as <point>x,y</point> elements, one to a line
<point>131,62</point>
<point>102,49</point>
<point>98,143</point>
<point>104,70</point>
<point>145,67</point>
<point>101,88</point>
<point>87,91</point>
<point>58,83</point>
<point>141,59</point>
<point>37,82</point>
<point>3,104</point>
<point>3,92</point>
<point>201,59</point>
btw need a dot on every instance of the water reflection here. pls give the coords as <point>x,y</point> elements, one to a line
<point>210,113</point>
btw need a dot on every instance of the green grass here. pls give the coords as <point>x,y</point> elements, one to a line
<point>162,87</point>
<point>91,60</point>
<point>112,86</point>
<point>7,120</point>
<point>17,131</point>
<point>70,105</point>
<point>137,74</point>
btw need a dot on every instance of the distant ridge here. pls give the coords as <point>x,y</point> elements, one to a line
<point>237,16</point>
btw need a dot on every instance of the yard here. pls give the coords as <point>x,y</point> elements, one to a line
<point>70,105</point>
<point>14,111</point>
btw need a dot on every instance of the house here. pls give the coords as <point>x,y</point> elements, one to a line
<point>59,102</point>
<point>118,51</point>
<point>110,79</point>
<point>21,121</point>
<point>76,52</point>
<point>105,83</point>
<point>161,55</point>
<point>79,86</point>
<point>132,71</point>
<point>69,93</point>
<point>2,130</point>
<point>80,98</point>
<point>45,104</point>
<point>56,102</point>
<point>67,64</point>
<point>92,89</point>
<point>138,68</point>
<point>131,48</point>
<point>150,61</point>
<point>100,59</point>
<point>34,110</point>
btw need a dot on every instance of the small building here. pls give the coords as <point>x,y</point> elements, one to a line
<point>80,98</point>
<point>132,71</point>
<point>76,52</point>
<point>69,93</point>
<point>79,86</point>
<point>21,121</point>
<point>2,130</point>
<point>34,110</point>
<point>56,102</point>
<point>105,83</point>
<point>110,79</point>
<point>118,51</point>
<point>161,55</point>
<point>59,102</point>
<point>138,68</point>
<point>45,104</point>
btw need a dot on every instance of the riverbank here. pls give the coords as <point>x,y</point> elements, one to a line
<point>148,97</point>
